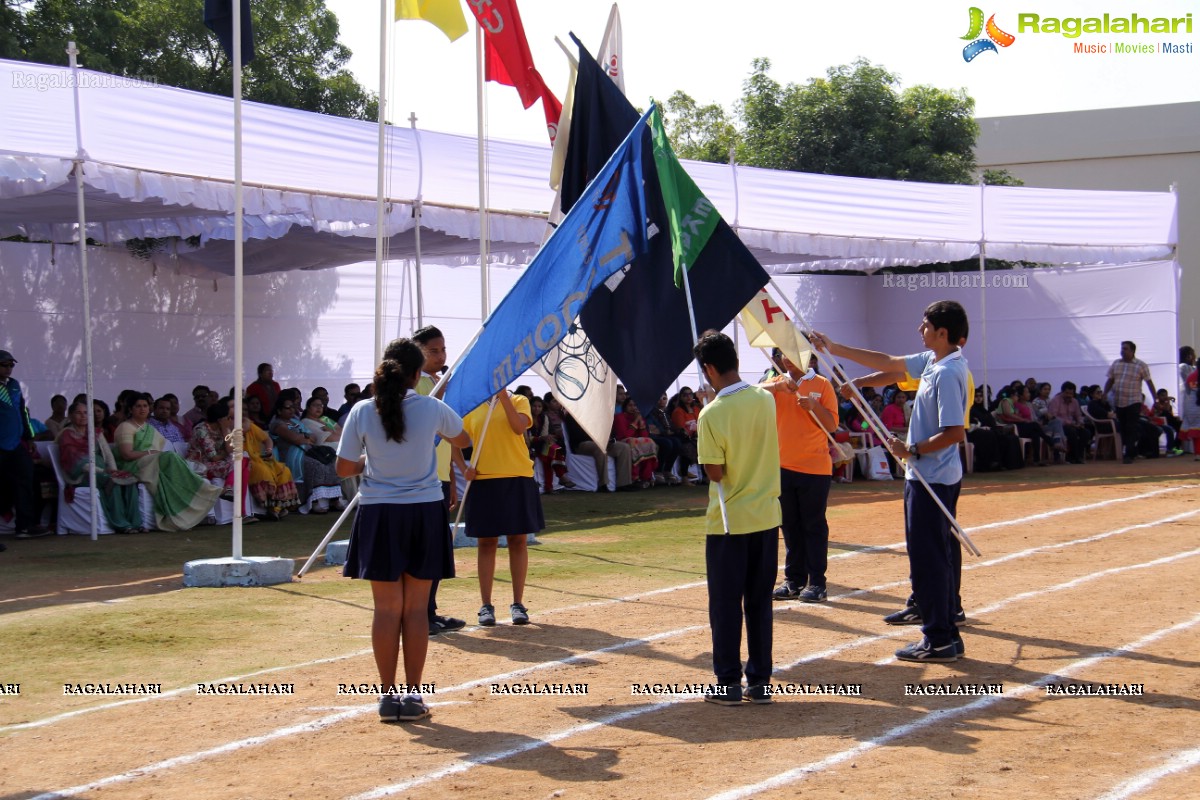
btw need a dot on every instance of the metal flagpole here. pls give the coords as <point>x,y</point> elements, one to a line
<point>983,287</point>
<point>72,52</point>
<point>346,512</point>
<point>238,308</point>
<point>476,449</point>
<point>412,119</point>
<point>687,288</point>
<point>379,186</point>
<point>484,288</point>
<point>877,426</point>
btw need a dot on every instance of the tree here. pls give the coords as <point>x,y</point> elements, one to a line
<point>855,121</point>
<point>299,64</point>
<point>12,29</point>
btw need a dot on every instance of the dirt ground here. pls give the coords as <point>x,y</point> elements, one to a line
<point>1085,579</point>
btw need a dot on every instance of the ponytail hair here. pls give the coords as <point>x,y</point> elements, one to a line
<point>395,375</point>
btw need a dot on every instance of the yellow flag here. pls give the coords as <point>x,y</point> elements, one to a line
<point>767,325</point>
<point>447,15</point>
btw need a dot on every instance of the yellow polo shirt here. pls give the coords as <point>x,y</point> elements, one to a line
<point>737,430</point>
<point>425,386</point>
<point>502,453</point>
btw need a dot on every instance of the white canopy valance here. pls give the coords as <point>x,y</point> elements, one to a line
<point>158,162</point>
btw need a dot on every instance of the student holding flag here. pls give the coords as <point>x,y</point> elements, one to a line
<point>739,448</point>
<point>931,449</point>
<point>805,475</point>
<point>502,499</point>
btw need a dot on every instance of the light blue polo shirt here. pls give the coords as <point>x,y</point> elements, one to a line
<point>399,472</point>
<point>938,404</point>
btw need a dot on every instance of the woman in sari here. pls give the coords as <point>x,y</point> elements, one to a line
<point>117,489</point>
<point>270,482</point>
<point>181,498</point>
<point>630,428</point>
<point>320,479</point>
<point>210,452</point>
<point>546,447</point>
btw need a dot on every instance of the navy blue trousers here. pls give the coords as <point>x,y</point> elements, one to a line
<point>803,498</point>
<point>434,585</point>
<point>934,558</point>
<point>741,574</point>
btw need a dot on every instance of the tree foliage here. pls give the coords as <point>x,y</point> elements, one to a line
<point>300,62</point>
<point>855,121</point>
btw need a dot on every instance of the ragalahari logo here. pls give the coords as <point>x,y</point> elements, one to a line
<point>994,37</point>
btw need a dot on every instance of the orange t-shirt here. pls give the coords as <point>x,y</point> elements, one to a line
<point>802,445</point>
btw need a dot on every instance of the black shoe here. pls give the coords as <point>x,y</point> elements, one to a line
<point>439,624</point>
<point>924,652</point>
<point>3,547</point>
<point>786,591</point>
<point>602,488</point>
<point>960,618</point>
<point>724,695</point>
<point>910,615</point>
<point>813,594</point>
<point>1127,460</point>
<point>960,649</point>
<point>759,695</point>
<point>35,532</point>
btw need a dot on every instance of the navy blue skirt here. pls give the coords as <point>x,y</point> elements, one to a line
<point>503,507</point>
<point>394,539</point>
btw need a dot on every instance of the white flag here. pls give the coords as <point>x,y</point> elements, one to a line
<point>767,325</point>
<point>611,56</point>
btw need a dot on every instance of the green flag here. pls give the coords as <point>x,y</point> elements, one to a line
<point>692,217</point>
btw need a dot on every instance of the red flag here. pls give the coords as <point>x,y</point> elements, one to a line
<point>507,59</point>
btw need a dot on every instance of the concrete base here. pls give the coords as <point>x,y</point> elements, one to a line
<point>462,540</point>
<point>335,552</point>
<point>248,571</point>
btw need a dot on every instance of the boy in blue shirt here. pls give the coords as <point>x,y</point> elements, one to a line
<point>934,432</point>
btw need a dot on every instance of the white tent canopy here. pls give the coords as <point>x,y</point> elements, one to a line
<point>158,163</point>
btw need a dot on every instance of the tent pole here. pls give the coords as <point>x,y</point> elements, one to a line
<point>983,291</point>
<point>412,119</point>
<point>484,289</point>
<point>238,307</point>
<point>72,52</point>
<point>379,206</point>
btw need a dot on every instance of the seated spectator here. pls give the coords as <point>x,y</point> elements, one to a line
<point>546,447</point>
<point>1164,406</point>
<point>630,428</point>
<point>1065,410</point>
<point>1154,427</point>
<point>1016,410</point>
<point>1041,414</point>
<point>252,410</point>
<point>996,448</point>
<point>622,396</point>
<point>161,420</point>
<point>265,388</point>
<point>184,425</point>
<point>1098,407</point>
<point>181,499</point>
<point>658,424</point>
<point>315,422</point>
<point>270,482</point>
<point>582,444</point>
<point>893,413</point>
<point>117,488</point>
<point>120,412</point>
<point>683,427</point>
<point>58,415</point>
<point>351,393</point>
<point>200,402</point>
<point>319,481</point>
<point>210,451</point>
<point>100,413</point>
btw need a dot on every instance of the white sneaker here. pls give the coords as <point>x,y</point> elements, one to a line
<point>321,506</point>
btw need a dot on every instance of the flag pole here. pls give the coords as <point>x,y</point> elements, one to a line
<point>72,52</point>
<point>476,449</point>
<point>877,426</point>
<point>238,298</point>
<point>346,512</point>
<point>687,288</point>
<point>412,119</point>
<point>379,179</point>
<point>484,289</point>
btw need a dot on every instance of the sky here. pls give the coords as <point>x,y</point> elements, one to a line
<point>705,49</point>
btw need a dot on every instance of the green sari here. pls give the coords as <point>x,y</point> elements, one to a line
<point>181,497</point>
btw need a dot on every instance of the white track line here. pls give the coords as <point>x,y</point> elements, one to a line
<point>591,604</point>
<point>1180,762</point>
<point>474,761</point>
<point>941,716</point>
<point>334,719</point>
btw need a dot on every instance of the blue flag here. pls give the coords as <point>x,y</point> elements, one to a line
<point>641,324</point>
<point>604,231</point>
<point>218,18</point>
